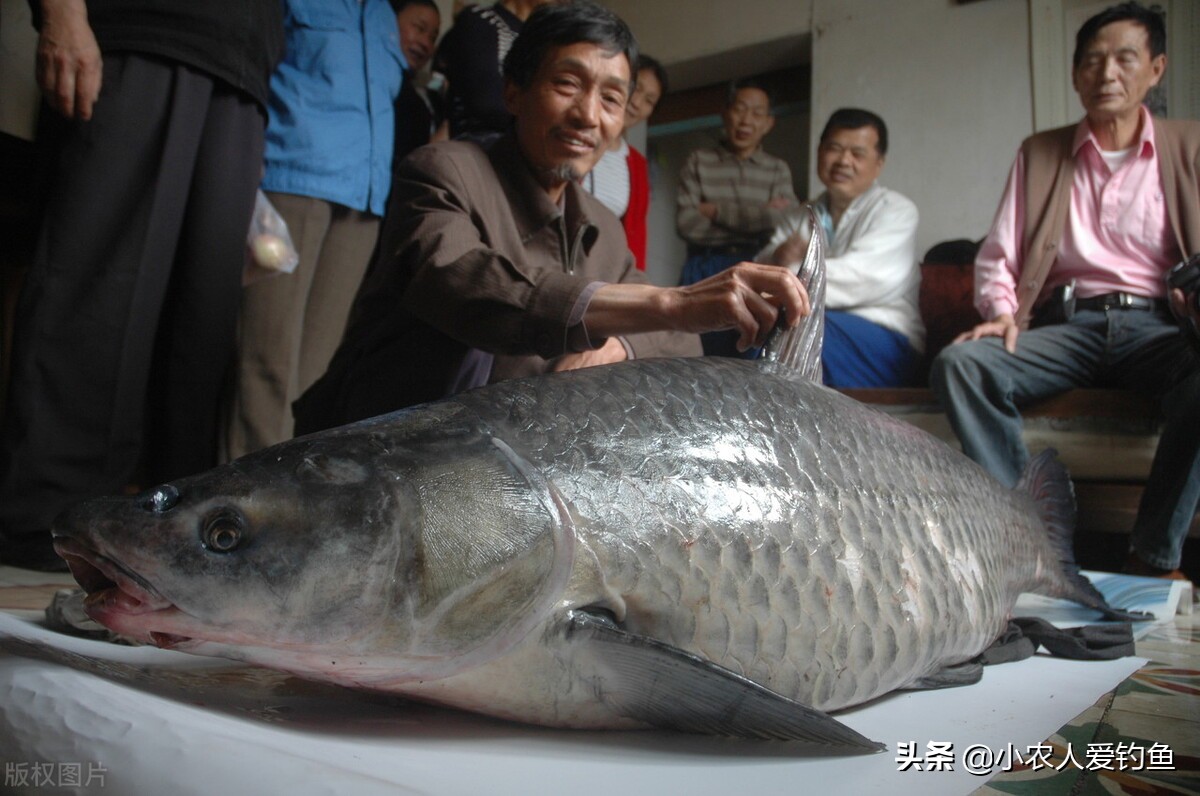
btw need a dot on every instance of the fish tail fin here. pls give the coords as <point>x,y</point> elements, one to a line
<point>798,351</point>
<point>1048,484</point>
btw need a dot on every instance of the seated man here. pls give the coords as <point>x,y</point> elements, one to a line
<point>732,195</point>
<point>1071,279</point>
<point>496,264</point>
<point>873,330</point>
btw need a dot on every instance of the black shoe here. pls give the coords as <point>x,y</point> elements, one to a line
<point>32,551</point>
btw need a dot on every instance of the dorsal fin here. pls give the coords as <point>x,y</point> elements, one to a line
<point>798,351</point>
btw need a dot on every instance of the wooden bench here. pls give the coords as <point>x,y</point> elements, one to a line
<point>1105,437</point>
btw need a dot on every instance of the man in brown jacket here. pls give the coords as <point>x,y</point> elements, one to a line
<point>1071,279</point>
<point>496,264</point>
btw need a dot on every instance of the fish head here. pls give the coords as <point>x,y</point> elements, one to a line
<point>430,553</point>
<point>274,548</point>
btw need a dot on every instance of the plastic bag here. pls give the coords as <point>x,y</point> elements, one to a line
<point>269,248</point>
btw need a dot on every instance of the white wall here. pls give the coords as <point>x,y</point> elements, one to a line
<point>682,30</point>
<point>953,83</point>
<point>951,80</point>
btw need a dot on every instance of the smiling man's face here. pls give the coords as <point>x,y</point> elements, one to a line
<point>645,98</point>
<point>571,111</point>
<point>418,26</point>
<point>747,120</point>
<point>849,162</point>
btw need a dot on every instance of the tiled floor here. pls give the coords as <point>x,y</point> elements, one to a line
<point>1142,738</point>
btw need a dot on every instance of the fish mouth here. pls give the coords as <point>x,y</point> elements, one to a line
<point>118,597</point>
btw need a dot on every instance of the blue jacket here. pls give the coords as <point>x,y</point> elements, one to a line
<point>331,121</point>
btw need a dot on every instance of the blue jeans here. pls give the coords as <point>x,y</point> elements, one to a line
<point>983,387</point>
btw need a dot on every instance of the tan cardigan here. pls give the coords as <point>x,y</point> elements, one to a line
<point>1049,173</point>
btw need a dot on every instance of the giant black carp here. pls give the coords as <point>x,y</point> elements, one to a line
<point>708,544</point>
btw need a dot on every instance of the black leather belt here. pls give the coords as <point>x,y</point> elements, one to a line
<point>1118,301</point>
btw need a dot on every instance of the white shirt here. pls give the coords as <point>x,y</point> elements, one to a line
<point>608,180</point>
<point>871,263</point>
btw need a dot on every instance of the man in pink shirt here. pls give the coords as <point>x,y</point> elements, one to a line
<point>1071,278</point>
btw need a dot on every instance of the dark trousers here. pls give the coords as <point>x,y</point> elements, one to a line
<point>291,325</point>
<point>126,326</point>
<point>983,388</point>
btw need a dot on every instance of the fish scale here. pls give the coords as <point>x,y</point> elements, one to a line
<point>821,565</point>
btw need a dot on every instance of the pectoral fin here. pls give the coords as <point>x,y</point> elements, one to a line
<point>664,686</point>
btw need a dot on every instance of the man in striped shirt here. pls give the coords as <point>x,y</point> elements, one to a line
<point>732,196</point>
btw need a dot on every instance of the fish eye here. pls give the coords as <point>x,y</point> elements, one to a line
<point>222,533</point>
<point>160,500</point>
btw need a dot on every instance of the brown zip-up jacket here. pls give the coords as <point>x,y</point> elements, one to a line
<point>1049,174</point>
<point>480,277</point>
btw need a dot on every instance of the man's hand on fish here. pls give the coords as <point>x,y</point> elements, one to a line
<point>1004,326</point>
<point>746,297</point>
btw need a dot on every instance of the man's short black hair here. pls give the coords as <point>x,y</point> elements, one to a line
<point>1149,19</point>
<point>561,25</point>
<point>854,118</point>
<point>400,5</point>
<point>660,72</point>
<point>749,82</point>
